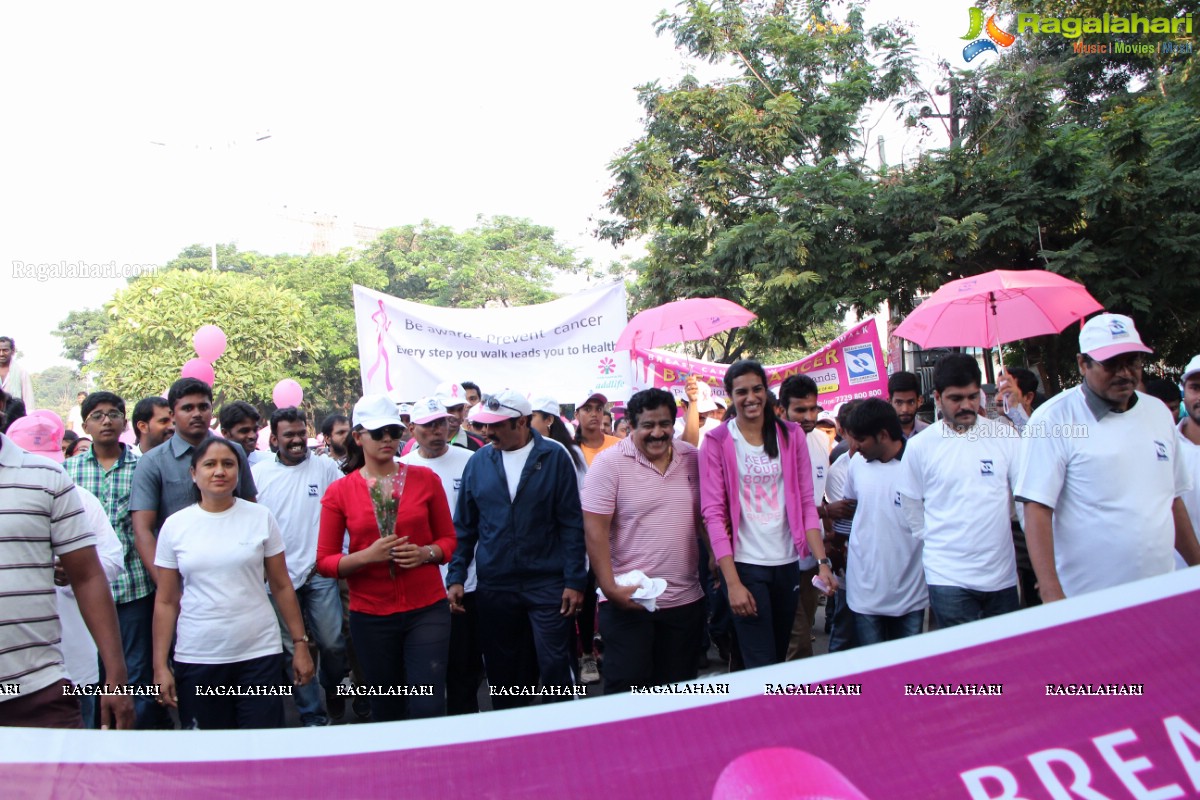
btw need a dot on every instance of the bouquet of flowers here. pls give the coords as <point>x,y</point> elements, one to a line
<point>386,498</point>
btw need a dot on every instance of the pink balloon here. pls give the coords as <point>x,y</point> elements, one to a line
<point>264,439</point>
<point>783,773</point>
<point>209,342</point>
<point>287,393</point>
<point>199,368</point>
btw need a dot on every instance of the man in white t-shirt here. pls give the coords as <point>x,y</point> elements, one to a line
<point>291,484</point>
<point>956,492</point>
<point>464,672</point>
<point>885,579</point>
<point>1103,474</point>
<point>1189,434</point>
<point>798,400</point>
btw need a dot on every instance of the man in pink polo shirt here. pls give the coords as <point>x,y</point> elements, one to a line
<point>641,512</point>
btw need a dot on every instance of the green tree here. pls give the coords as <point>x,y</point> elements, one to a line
<point>501,261</point>
<point>79,333</point>
<point>269,331</point>
<point>754,187</point>
<point>56,389</point>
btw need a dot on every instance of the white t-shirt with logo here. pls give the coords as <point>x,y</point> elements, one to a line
<point>1111,483</point>
<point>956,489</point>
<point>224,614</point>
<point>763,535</point>
<point>818,455</point>
<point>294,496</point>
<point>449,467</point>
<point>884,570</point>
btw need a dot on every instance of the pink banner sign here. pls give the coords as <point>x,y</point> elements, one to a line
<point>849,367</point>
<point>1092,697</point>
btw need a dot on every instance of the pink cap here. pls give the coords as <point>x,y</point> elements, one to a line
<point>41,433</point>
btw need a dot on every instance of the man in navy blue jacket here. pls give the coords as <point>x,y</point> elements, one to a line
<point>519,517</point>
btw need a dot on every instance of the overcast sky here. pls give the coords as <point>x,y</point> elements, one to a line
<point>380,114</point>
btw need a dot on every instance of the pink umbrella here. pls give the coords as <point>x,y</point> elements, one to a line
<point>682,321</point>
<point>997,307</point>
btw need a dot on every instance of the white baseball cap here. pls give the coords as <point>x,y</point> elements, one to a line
<point>1192,368</point>
<point>546,404</point>
<point>492,408</point>
<point>1107,335</point>
<point>427,410</point>
<point>450,394</point>
<point>592,395</point>
<point>375,411</point>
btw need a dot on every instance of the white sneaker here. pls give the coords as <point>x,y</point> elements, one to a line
<point>588,671</point>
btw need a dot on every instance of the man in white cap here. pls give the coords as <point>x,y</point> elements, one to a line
<point>454,398</point>
<point>464,673</point>
<point>591,436</point>
<point>1189,434</point>
<point>519,503</point>
<point>1102,474</point>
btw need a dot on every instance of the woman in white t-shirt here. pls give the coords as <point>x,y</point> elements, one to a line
<point>756,495</point>
<point>211,557</point>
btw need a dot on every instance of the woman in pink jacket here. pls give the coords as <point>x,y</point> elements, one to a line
<point>757,499</point>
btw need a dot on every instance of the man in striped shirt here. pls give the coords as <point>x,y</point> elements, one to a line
<point>40,518</point>
<point>641,512</point>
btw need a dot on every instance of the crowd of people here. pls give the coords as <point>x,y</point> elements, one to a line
<point>425,548</point>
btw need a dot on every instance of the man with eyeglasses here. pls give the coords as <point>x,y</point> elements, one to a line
<point>519,501</point>
<point>162,481</point>
<point>106,470</point>
<point>1102,474</point>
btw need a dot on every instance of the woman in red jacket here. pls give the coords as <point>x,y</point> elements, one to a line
<point>399,616</point>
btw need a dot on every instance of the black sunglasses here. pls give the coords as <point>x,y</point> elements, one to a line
<point>392,431</point>
<point>492,404</point>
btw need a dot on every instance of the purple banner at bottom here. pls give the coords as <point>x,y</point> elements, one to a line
<point>1095,697</point>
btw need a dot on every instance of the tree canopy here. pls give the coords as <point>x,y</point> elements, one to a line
<point>292,316</point>
<point>755,186</point>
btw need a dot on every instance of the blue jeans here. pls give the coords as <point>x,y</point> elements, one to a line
<point>954,605</point>
<point>763,638</point>
<point>876,628</point>
<point>409,648</point>
<point>508,621</point>
<point>321,606</point>
<point>136,619</point>
<point>844,635</point>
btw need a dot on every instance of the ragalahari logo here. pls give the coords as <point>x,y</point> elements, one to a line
<point>995,35</point>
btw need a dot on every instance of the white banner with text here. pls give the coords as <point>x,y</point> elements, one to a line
<point>563,348</point>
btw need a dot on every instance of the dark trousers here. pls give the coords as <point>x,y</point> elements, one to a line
<point>586,621</point>
<point>876,628</point>
<point>800,643</point>
<point>136,619</point>
<point>763,638</point>
<point>508,620</point>
<point>410,649</point>
<point>1026,578</point>
<point>651,648</point>
<point>954,605</point>
<point>844,635</point>
<point>464,670</point>
<point>222,712</point>
<point>45,708</point>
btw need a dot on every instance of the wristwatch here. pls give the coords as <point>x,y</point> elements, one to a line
<point>824,562</point>
<point>303,638</point>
